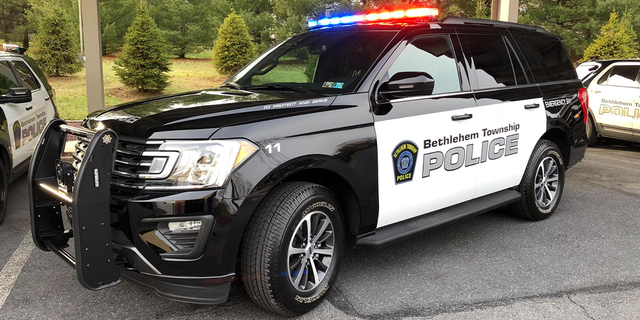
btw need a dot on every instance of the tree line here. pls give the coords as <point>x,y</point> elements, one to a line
<point>191,26</point>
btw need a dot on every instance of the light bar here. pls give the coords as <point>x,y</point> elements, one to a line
<point>378,16</point>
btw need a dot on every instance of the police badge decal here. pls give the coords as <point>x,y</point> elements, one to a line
<point>404,161</point>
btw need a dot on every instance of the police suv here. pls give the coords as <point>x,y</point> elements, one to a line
<point>377,127</point>
<point>614,108</point>
<point>25,109</point>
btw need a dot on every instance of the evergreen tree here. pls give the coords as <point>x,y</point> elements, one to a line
<point>115,18</point>
<point>617,40</point>
<point>144,62</point>
<point>56,50</point>
<point>234,47</point>
<point>183,24</point>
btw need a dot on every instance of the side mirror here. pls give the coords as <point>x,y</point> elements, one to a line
<point>16,95</point>
<point>408,84</point>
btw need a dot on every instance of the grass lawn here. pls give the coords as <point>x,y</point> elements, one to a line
<point>186,75</point>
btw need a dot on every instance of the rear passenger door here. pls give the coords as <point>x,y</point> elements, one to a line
<point>425,141</point>
<point>515,115</point>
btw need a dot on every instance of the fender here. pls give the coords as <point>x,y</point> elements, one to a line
<point>365,195</point>
<point>5,140</point>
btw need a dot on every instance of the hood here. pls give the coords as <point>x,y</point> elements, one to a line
<point>198,115</point>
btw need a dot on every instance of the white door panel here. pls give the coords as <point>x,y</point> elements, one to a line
<point>519,130</point>
<point>447,179</point>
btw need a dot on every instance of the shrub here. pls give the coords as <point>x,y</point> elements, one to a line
<point>234,47</point>
<point>617,40</point>
<point>144,61</point>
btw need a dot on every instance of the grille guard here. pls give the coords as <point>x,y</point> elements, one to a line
<point>89,201</point>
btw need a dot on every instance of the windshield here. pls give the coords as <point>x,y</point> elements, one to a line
<point>330,62</point>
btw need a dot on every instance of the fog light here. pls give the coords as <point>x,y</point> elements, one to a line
<point>185,225</point>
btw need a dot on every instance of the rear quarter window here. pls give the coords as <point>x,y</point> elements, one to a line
<point>554,59</point>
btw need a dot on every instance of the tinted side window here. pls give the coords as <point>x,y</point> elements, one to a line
<point>553,57</point>
<point>7,79</point>
<point>432,55</point>
<point>532,61</point>
<point>26,75</point>
<point>492,61</point>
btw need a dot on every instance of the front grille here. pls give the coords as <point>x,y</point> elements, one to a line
<point>134,159</point>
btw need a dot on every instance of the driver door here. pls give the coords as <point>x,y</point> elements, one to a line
<point>426,142</point>
<point>13,112</point>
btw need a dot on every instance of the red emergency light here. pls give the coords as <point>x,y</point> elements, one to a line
<point>375,17</point>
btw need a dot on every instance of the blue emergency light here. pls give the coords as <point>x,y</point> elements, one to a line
<point>374,17</point>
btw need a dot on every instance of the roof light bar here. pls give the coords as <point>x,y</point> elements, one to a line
<point>371,17</point>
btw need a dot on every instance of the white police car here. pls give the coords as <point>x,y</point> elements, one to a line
<point>614,105</point>
<point>25,109</point>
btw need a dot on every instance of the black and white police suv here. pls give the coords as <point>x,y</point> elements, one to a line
<point>357,128</point>
<point>25,109</point>
<point>614,108</point>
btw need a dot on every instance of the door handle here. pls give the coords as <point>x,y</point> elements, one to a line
<point>29,107</point>
<point>462,117</point>
<point>47,98</point>
<point>531,106</point>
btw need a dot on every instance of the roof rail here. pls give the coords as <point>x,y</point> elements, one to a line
<point>458,20</point>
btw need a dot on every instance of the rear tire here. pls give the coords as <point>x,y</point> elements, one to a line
<point>4,188</point>
<point>281,269</point>
<point>592,132</point>
<point>542,184</point>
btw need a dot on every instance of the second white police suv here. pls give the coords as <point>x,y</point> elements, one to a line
<point>614,105</point>
<point>388,125</point>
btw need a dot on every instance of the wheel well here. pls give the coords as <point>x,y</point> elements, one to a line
<point>558,137</point>
<point>341,188</point>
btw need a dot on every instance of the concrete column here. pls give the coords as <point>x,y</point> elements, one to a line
<point>504,10</point>
<point>93,53</point>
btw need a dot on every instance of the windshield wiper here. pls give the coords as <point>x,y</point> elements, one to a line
<point>232,85</point>
<point>272,86</point>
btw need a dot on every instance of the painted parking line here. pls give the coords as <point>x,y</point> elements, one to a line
<point>12,269</point>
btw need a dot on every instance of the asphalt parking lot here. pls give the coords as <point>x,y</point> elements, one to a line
<point>580,264</point>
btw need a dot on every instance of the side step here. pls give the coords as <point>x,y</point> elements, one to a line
<point>405,229</point>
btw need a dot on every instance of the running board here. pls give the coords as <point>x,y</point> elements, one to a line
<point>405,229</point>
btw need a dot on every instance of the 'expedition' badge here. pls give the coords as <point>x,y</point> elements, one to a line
<point>404,161</point>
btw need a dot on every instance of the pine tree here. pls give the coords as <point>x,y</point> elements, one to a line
<point>617,40</point>
<point>144,61</point>
<point>234,47</point>
<point>56,49</point>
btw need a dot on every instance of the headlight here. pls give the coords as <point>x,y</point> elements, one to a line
<point>200,164</point>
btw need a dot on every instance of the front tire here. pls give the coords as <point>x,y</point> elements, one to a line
<point>292,248</point>
<point>542,184</point>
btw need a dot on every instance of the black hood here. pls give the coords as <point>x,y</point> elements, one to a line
<point>198,115</point>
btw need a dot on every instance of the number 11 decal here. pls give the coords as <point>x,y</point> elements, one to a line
<point>273,147</point>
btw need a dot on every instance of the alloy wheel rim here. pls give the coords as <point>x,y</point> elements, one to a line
<point>311,251</point>
<point>588,128</point>
<point>546,181</point>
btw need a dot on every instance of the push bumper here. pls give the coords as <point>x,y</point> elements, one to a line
<point>86,192</point>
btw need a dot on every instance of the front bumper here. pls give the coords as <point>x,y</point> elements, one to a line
<point>116,232</point>
<point>137,269</point>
